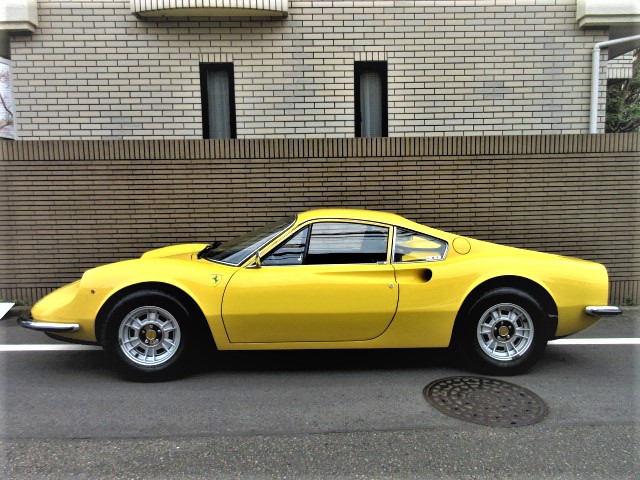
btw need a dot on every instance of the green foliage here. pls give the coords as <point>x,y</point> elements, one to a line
<point>18,303</point>
<point>623,103</point>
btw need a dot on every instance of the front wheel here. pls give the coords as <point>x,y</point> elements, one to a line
<point>504,333</point>
<point>146,335</point>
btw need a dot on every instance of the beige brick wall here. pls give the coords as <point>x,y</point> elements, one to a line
<point>620,67</point>
<point>68,206</point>
<point>93,70</point>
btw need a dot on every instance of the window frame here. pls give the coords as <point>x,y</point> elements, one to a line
<point>309,224</point>
<point>264,257</point>
<point>205,69</point>
<point>381,68</point>
<point>393,247</point>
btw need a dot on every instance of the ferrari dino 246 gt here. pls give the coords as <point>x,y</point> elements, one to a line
<point>328,279</point>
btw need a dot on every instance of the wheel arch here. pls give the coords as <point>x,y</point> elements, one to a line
<point>200,323</point>
<point>537,291</point>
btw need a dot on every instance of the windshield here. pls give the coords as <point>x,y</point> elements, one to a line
<point>239,249</point>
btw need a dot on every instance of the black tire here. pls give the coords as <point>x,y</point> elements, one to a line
<point>504,333</point>
<point>165,327</point>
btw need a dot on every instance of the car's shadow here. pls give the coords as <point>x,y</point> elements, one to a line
<point>317,360</point>
<point>91,366</point>
<point>94,364</point>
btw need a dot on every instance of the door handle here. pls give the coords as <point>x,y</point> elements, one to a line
<point>427,274</point>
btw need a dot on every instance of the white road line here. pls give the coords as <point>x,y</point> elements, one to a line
<point>596,341</point>
<point>4,308</point>
<point>46,348</point>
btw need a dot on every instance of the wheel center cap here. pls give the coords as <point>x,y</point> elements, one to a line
<point>150,335</point>
<point>503,331</point>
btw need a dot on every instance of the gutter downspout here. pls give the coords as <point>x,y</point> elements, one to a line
<point>595,77</point>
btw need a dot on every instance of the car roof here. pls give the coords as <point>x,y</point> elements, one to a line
<point>354,214</point>
<point>372,216</point>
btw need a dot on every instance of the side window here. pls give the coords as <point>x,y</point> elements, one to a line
<point>340,243</point>
<point>291,252</point>
<point>417,247</point>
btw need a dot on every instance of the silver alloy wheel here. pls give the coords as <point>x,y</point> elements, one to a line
<point>505,332</point>
<point>149,336</point>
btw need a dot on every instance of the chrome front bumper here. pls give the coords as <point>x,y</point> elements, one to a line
<point>28,322</point>
<point>603,311</point>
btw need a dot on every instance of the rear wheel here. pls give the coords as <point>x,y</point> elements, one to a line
<point>147,336</point>
<point>504,333</point>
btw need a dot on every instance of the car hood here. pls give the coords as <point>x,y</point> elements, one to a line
<point>185,251</point>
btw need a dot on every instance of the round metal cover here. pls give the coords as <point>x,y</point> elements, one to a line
<point>486,401</point>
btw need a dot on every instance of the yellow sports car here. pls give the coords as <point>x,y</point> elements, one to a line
<point>324,279</point>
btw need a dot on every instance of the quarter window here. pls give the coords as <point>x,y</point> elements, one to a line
<point>291,253</point>
<point>417,247</point>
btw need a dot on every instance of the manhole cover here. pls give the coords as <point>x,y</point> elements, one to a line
<point>486,401</point>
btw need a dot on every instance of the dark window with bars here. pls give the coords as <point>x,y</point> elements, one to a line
<point>370,99</point>
<point>218,102</point>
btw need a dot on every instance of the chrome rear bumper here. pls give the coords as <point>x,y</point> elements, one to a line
<point>604,311</point>
<point>28,322</point>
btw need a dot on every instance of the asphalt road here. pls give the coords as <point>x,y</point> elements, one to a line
<point>300,415</point>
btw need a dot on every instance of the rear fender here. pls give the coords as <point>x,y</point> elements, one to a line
<point>535,288</point>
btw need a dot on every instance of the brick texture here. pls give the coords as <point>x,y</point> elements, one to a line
<point>92,70</point>
<point>620,67</point>
<point>71,205</point>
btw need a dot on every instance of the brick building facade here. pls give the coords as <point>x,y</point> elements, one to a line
<point>111,69</point>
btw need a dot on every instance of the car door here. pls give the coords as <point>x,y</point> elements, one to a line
<point>331,281</point>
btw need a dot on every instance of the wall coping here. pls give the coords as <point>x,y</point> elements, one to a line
<point>33,150</point>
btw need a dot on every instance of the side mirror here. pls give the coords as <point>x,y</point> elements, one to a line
<point>256,261</point>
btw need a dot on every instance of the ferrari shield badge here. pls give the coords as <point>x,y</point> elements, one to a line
<point>216,279</point>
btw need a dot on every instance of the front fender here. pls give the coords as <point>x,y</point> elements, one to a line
<point>81,301</point>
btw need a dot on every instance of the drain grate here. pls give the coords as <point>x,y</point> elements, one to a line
<point>486,401</point>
